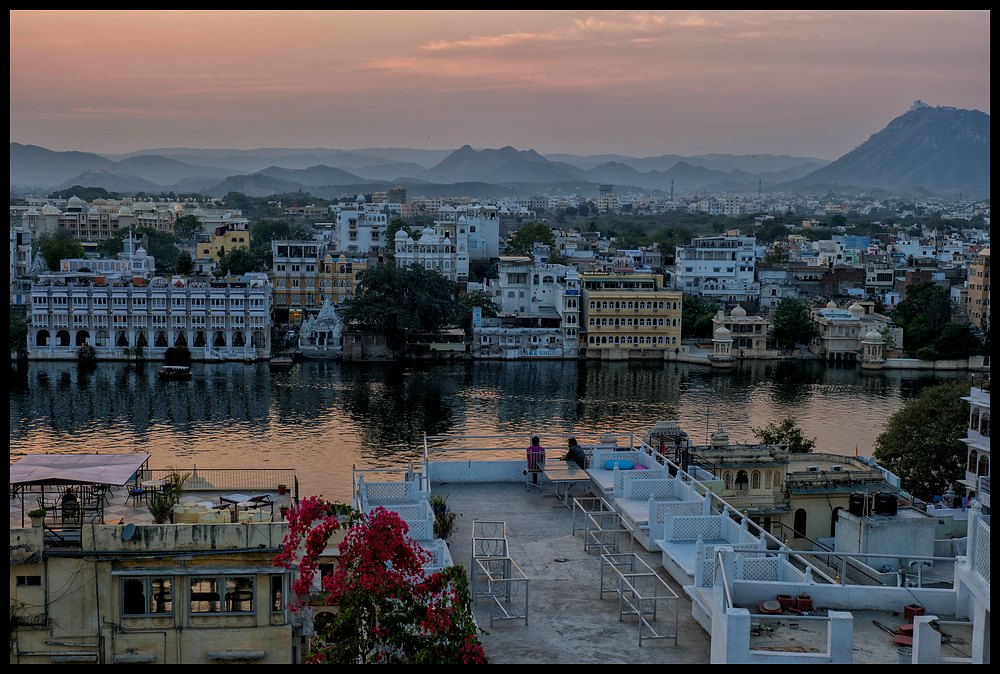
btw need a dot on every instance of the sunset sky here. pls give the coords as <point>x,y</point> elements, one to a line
<point>809,83</point>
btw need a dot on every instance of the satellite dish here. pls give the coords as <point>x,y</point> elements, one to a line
<point>128,532</point>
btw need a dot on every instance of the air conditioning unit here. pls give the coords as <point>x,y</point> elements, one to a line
<point>812,469</point>
<point>837,469</point>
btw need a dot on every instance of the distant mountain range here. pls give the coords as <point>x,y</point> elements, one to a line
<point>937,150</point>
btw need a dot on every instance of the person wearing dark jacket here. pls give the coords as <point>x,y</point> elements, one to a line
<point>576,454</point>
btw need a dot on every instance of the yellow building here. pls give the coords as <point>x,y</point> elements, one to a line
<point>629,316</point>
<point>338,280</point>
<point>153,594</point>
<point>224,238</point>
<point>978,286</point>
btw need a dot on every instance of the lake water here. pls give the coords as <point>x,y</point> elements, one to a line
<point>323,417</point>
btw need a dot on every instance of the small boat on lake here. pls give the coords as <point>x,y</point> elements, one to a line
<point>175,372</point>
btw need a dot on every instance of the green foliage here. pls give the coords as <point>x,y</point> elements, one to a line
<point>187,227</point>
<point>921,442</point>
<point>786,432</point>
<point>160,506</point>
<point>399,302</point>
<point>59,246</point>
<point>18,330</point>
<point>530,233</point>
<point>696,316</point>
<point>776,254</point>
<point>86,355</point>
<point>240,261</point>
<point>474,298</point>
<point>88,194</point>
<point>444,517</point>
<point>177,355</point>
<point>185,264</point>
<point>922,315</point>
<point>37,512</point>
<point>793,323</point>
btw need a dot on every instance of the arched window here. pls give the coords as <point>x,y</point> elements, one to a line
<point>742,480</point>
<point>199,339</point>
<point>984,465</point>
<point>984,424</point>
<point>81,337</point>
<point>767,480</point>
<point>181,339</point>
<point>755,480</point>
<point>974,423</point>
<point>239,340</point>
<point>102,338</point>
<point>161,339</point>
<point>42,338</point>
<point>219,339</point>
<point>257,339</point>
<point>799,525</point>
<point>121,338</point>
<point>973,460</point>
<point>140,339</point>
<point>727,477</point>
<point>62,338</point>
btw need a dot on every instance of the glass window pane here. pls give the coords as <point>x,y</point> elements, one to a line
<point>205,595</point>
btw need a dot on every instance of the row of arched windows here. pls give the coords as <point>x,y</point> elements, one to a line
<point>62,339</point>
<point>608,304</point>
<point>742,480</point>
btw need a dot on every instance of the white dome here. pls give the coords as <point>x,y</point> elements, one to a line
<point>857,311</point>
<point>401,235</point>
<point>722,333</point>
<point>831,305</point>
<point>124,211</point>
<point>428,235</point>
<point>738,312</point>
<point>873,336</point>
<point>49,209</point>
<point>75,202</point>
<point>360,199</point>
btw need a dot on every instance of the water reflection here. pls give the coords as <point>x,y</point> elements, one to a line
<point>321,417</point>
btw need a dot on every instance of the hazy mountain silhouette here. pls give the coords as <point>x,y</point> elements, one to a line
<point>927,150</point>
<point>941,150</point>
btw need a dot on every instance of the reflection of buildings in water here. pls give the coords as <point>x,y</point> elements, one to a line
<point>115,393</point>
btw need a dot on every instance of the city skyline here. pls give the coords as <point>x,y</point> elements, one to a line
<point>641,83</point>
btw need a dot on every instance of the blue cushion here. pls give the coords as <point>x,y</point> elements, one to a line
<point>623,464</point>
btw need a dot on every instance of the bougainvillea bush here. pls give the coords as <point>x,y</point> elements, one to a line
<point>389,609</point>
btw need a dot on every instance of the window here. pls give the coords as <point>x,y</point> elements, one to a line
<point>232,594</point>
<point>146,596</point>
<point>29,581</point>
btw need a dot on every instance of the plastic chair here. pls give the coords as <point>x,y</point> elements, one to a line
<point>533,472</point>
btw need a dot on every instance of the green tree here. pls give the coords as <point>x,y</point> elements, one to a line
<point>696,316</point>
<point>776,254</point>
<point>187,227</point>
<point>923,315</point>
<point>184,265</point>
<point>399,302</point>
<point>59,246</point>
<point>785,432</point>
<point>18,336</point>
<point>240,261</point>
<point>793,323</point>
<point>921,442</point>
<point>530,233</point>
<point>474,298</point>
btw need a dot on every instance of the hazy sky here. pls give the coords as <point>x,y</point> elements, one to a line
<point>810,83</point>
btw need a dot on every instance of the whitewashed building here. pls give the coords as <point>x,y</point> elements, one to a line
<point>215,319</point>
<point>719,267</point>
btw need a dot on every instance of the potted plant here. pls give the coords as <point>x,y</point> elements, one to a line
<point>444,517</point>
<point>37,517</point>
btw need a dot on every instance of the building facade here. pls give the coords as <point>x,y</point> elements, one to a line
<point>718,267</point>
<point>629,316</point>
<point>215,319</point>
